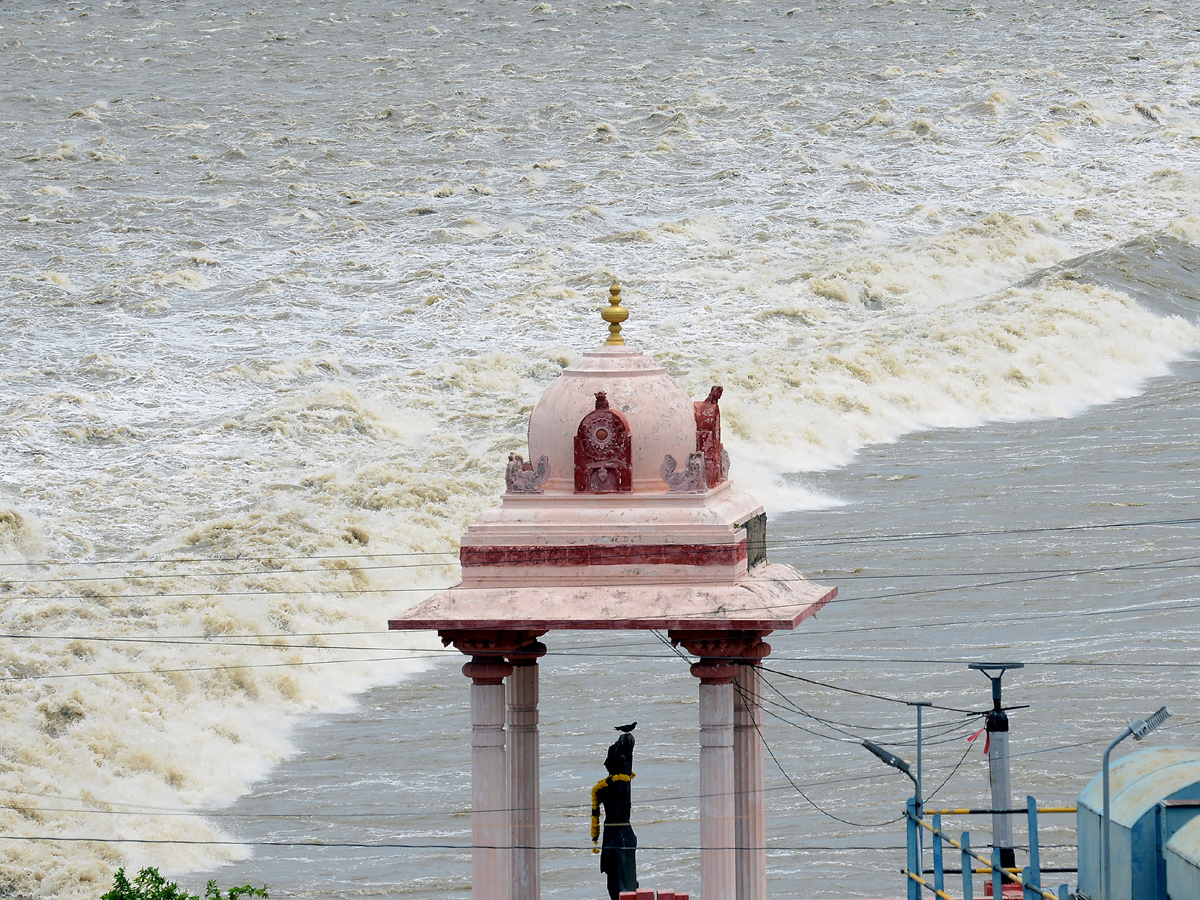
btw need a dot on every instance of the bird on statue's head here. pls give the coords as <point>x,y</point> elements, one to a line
<point>620,755</point>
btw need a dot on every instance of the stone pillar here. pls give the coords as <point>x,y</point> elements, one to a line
<point>717,833</point>
<point>524,791</point>
<point>732,788</point>
<point>749,776</point>
<point>489,780</point>
<point>491,826</point>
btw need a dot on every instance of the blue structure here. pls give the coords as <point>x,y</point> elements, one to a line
<point>1149,790</point>
<point>1181,861</point>
<point>1030,878</point>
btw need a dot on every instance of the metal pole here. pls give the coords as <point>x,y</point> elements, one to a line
<point>1139,729</point>
<point>938,875</point>
<point>910,813</point>
<point>1035,855</point>
<point>919,704</point>
<point>920,796</point>
<point>914,866</point>
<point>1105,855</point>
<point>968,861</point>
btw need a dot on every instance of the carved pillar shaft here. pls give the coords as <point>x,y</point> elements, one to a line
<point>524,771</point>
<point>491,825</point>
<point>489,780</point>
<point>717,832</point>
<point>732,855</point>
<point>749,776</point>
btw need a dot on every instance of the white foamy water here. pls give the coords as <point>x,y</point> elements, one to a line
<point>282,284</point>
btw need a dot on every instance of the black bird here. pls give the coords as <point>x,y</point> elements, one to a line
<point>627,728</point>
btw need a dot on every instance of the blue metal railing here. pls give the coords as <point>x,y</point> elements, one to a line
<point>1030,877</point>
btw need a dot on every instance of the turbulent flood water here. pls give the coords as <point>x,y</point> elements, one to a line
<point>283,281</point>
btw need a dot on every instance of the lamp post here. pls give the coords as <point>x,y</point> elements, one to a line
<point>920,797</point>
<point>1139,729</point>
<point>915,856</point>
<point>919,704</point>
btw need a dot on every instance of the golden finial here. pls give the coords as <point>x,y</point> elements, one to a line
<point>614,314</point>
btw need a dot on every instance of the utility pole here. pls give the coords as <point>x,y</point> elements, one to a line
<point>999,773</point>
<point>919,704</point>
<point>920,798</point>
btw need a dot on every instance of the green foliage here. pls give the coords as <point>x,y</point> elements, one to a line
<point>148,884</point>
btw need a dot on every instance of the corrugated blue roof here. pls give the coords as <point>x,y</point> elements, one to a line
<point>1181,858</point>
<point>1141,779</point>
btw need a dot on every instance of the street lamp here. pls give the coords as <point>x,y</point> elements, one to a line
<point>916,854</point>
<point>1139,729</point>
<point>891,759</point>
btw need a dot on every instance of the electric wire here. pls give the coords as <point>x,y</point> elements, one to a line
<point>578,650</point>
<point>796,543</point>
<point>808,799</point>
<point>955,724</point>
<point>946,780</point>
<point>464,848</point>
<point>1154,606</point>
<point>742,692</point>
<point>398,845</point>
<point>131,809</point>
<point>1026,576</point>
<point>308,817</point>
<point>229,668</point>
<point>1137,608</point>
<point>834,687</point>
<point>402,654</point>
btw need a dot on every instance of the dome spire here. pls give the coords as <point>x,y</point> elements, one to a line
<point>614,314</point>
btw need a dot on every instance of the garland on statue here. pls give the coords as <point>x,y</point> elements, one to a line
<point>603,783</point>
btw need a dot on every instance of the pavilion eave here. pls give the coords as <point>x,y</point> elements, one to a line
<point>771,598</point>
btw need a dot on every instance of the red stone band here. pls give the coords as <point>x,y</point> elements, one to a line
<point>606,555</point>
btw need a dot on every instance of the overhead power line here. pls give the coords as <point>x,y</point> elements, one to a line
<point>780,544</point>
<point>834,687</point>
<point>406,654</point>
<point>403,845</point>
<point>1174,563</point>
<point>131,809</point>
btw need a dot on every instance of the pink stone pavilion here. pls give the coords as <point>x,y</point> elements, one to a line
<point>623,519</point>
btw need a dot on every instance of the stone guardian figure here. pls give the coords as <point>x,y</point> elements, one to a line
<point>612,792</point>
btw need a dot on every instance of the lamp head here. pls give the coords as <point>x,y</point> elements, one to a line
<point>889,758</point>
<point>1141,728</point>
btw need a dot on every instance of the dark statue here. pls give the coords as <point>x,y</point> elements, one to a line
<point>619,845</point>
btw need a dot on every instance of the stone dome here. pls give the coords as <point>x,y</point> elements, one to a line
<point>659,413</point>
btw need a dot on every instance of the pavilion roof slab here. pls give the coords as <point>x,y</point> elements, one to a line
<point>771,597</point>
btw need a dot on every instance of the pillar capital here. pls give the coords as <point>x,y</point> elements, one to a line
<point>491,644</point>
<point>487,670</point>
<point>722,653</point>
<point>711,671</point>
<point>528,655</point>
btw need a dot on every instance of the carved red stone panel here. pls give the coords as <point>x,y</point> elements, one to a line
<point>603,452</point>
<point>708,437</point>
